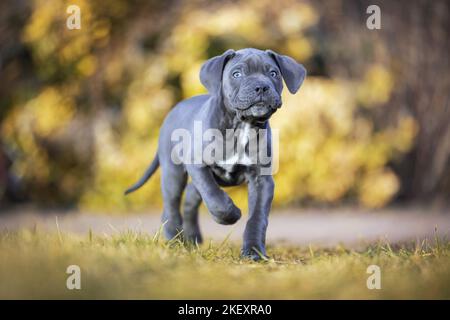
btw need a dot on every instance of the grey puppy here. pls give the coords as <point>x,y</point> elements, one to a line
<point>244,91</point>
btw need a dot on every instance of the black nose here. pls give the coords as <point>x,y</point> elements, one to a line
<point>259,89</point>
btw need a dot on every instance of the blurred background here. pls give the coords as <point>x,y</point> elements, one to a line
<point>80,109</point>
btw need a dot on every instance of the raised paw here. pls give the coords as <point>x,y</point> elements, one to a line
<point>228,216</point>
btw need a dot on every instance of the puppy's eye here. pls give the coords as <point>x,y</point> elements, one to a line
<point>237,74</point>
<point>273,74</point>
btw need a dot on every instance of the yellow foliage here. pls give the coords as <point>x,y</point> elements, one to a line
<point>87,65</point>
<point>49,111</point>
<point>377,188</point>
<point>299,48</point>
<point>297,17</point>
<point>376,86</point>
<point>190,82</point>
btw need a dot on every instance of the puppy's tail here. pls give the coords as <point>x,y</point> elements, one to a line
<point>148,173</point>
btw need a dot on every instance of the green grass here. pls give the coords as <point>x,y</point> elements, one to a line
<point>33,265</point>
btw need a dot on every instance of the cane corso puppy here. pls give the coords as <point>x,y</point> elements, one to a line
<point>244,91</point>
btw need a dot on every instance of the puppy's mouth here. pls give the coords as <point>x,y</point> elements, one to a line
<point>259,111</point>
<point>261,104</point>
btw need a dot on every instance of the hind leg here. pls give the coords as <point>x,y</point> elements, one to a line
<point>191,228</point>
<point>173,182</point>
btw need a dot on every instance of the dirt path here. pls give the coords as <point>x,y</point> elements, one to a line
<point>318,227</point>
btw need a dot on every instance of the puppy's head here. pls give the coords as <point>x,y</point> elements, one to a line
<point>250,81</point>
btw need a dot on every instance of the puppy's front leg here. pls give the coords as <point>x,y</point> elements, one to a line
<point>216,200</point>
<point>260,196</point>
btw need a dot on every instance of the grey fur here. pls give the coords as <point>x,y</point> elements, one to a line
<point>244,91</point>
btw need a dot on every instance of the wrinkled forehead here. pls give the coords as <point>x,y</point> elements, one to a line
<point>251,61</point>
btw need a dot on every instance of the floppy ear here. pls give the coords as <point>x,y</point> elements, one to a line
<point>293,73</point>
<point>211,71</point>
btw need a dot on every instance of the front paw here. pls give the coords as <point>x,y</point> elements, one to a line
<point>227,216</point>
<point>172,231</point>
<point>255,253</point>
<point>192,236</point>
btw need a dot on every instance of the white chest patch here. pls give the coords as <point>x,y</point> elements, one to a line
<point>239,152</point>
